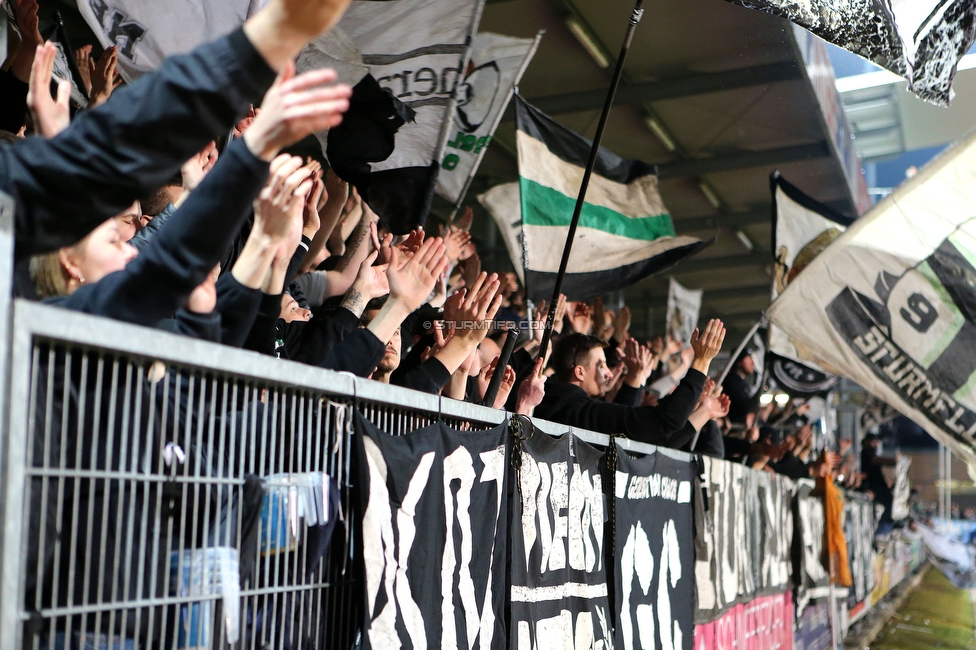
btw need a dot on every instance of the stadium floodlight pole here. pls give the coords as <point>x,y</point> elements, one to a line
<point>635,18</point>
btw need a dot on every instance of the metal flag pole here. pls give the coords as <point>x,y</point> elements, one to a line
<point>635,18</point>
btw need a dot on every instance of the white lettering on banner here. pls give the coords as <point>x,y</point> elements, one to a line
<point>380,548</point>
<point>575,532</point>
<point>386,558</point>
<point>636,560</point>
<point>670,567</point>
<point>656,486</point>
<point>557,632</point>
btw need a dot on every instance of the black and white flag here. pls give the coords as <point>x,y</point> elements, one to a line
<point>654,560</point>
<point>503,203</point>
<point>558,576</point>
<point>920,40</point>
<point>418,51</point>
<point>802,229</point>
<point>495,69</point>
<point>892,304</point>
<point>683,307</point>
<point>65,67</point>
<point>148,32</point>
<point>434,525</point>
<point>743,537</point>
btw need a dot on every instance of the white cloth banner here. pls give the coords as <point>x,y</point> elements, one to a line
<point>148,32</point>
<point>683,307</point>
<point>416,49</point>
<point>504,204</point>
<point>892,302</point>
<point>496,66</point>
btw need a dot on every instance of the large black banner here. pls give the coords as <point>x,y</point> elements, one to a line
<point>812,578</point>
<point>743,537</point>
<point>559,583</point>
<point>655,559</point>
<point>434,525</point>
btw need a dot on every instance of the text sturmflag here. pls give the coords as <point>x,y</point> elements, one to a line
<point>495,69</point>
<point>625,232</point>
<point>920,40</point>
<point>892,305</point>
<point>503,204</point>
<point>654,562</point>
<point>434,525</point>
<point>802,229</point>
<point>683,308</point>
<point>417,50</point>
<point>558,576</point>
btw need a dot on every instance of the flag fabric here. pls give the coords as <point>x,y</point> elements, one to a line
<point>892,305</point>
<point>417,50</point>
<point>65,67</point>
<point>434,522</point>
<point>148,32</point>
<point>802,229</point>
<point>654,555</point>
<point>503,204</point>
<point>920,40</point>
<point>496,67</point>
<point>625,232</point>
<point>683,307</point>
<point>558,589</point>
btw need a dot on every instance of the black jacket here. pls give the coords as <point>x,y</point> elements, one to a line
<point>569,404</point>
<point>66,186</point>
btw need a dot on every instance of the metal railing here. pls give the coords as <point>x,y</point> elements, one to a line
<point>146,476</point>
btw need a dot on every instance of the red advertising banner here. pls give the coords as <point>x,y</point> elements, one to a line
<point>766,623</point>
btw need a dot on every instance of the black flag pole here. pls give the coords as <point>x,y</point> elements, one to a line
<point>635,18</point>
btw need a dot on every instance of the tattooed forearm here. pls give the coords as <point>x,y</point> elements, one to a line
<point>354,302</point>
<point>359,235</point>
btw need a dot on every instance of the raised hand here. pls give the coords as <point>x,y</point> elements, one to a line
<point>51,116</point>
<point>455,241</point>
<point>83,60</point>
<point>476,311</point>
<point>279,207</point>
<point>371,282</point>
<point>310,215</point>
<point>104,76</point>
<point>599,319</point>
<point>412,282</point>
<point>26,11</point>
<point>580,318</point>
<point>639,361</point>
<point>532,390</point>
<point>560,315</point>
<point>198,166</point>
<point>621,323</point>
<point>295,107</point>
<point>707,344</point>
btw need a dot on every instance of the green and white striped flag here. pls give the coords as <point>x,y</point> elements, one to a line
<point>625,232</point>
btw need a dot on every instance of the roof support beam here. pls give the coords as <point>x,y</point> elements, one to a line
<point>652,91</point>
<point>768,158</point>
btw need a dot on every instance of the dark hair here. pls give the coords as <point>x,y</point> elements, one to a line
<point>567,353</point>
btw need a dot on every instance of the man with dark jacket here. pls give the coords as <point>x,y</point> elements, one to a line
<point>574,395</point>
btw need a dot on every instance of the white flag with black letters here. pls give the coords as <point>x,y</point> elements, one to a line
<point>892,302</point>
<point>683,307</point>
